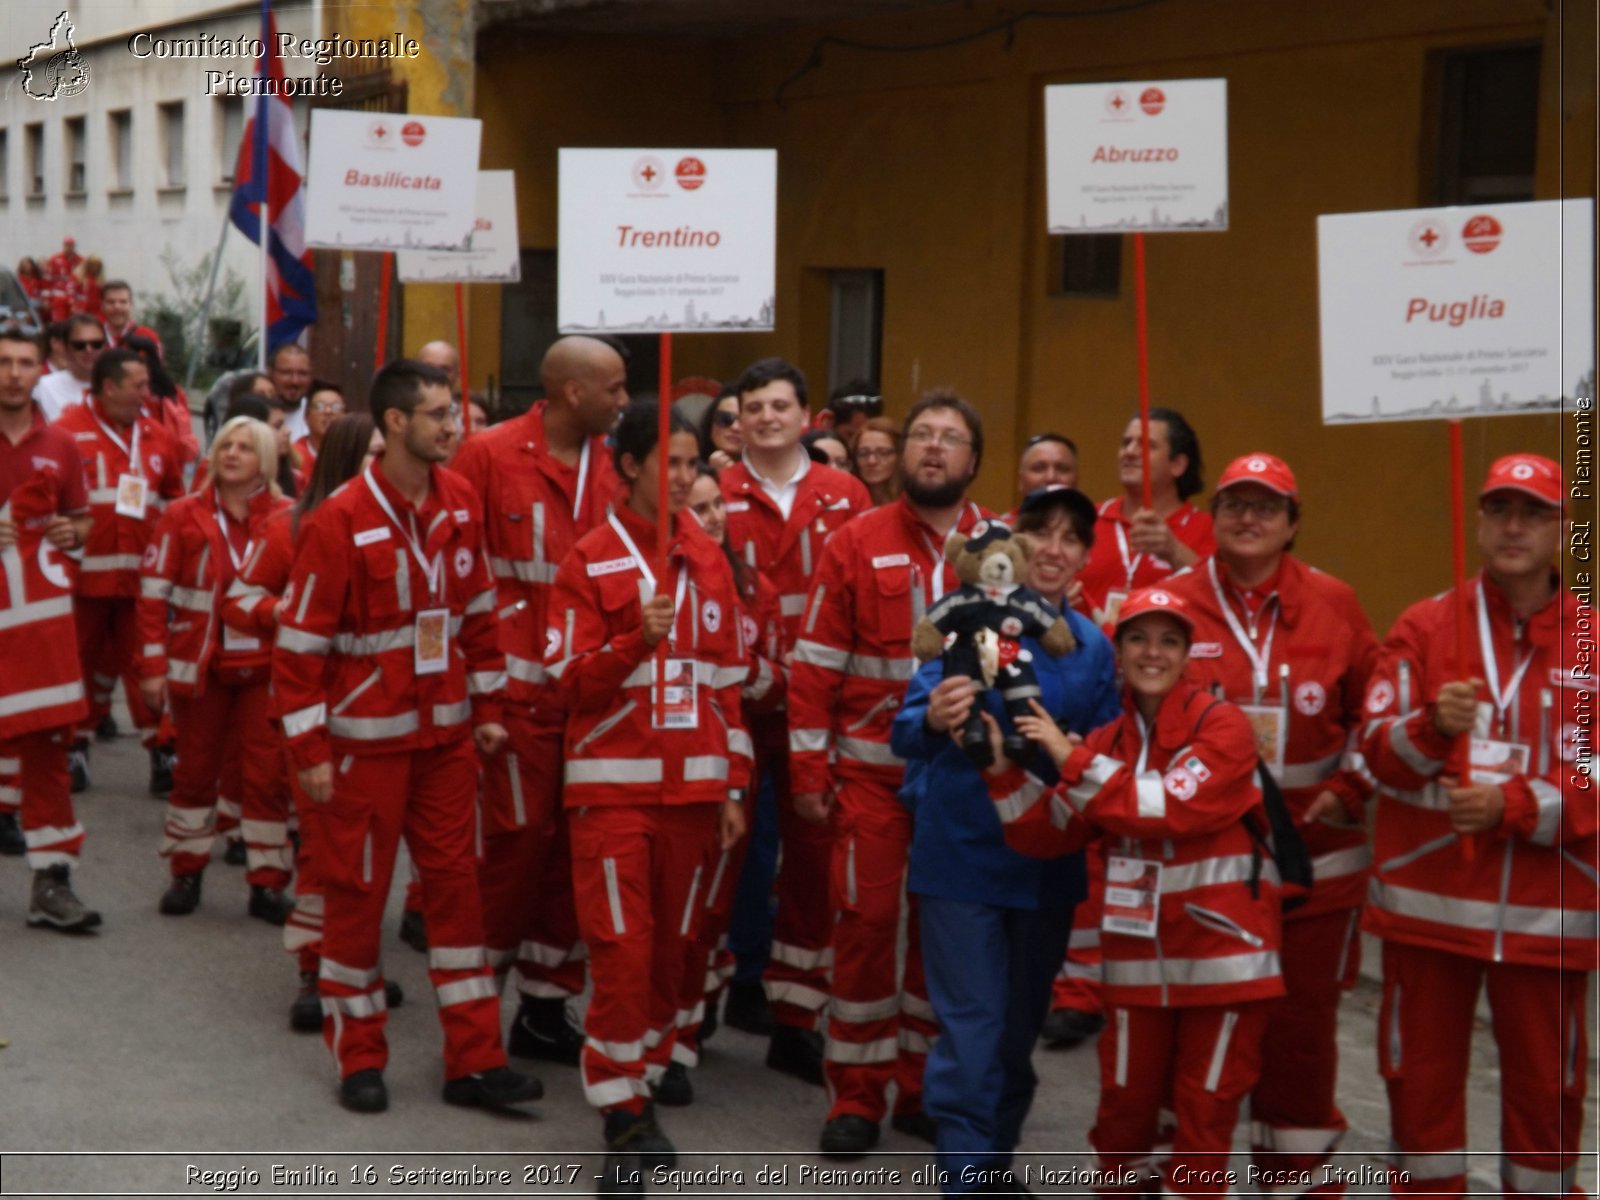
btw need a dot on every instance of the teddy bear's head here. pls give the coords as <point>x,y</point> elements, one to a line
<point>991,557</point>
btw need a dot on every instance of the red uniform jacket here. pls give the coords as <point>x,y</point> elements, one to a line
<point>535,510</point>
<point>878,575</point>
<point>1530,895</point>
<point>1114,567</point>
<point>1177,799</point>
<point>116,544</point>
<point>360,611</point>
<point>596,652</point>
<point>787,551</point>
<point>251,603</point>
<point>187,570</point>
<point>41,685</point>
<point>1320,651</point>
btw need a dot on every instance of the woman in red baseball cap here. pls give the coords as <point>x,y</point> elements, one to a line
<point>1190,931</point>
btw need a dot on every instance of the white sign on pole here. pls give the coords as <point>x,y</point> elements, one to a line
<point>391,181</point>
<point>496,253</point>
<point>1478,311</point>
<point>1147,157</point>
<point>667,241</point>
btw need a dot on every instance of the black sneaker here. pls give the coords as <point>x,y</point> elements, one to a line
<point>414,931</point>
<point>638,1133</point>
<point>498,1087</point>
<point>364,1091</point>
<point>162,759</point>
<point>1068,1027</point>
<point>541,1030</point>
<point>270,905</point>
<point>234,853</point>
<point>11,840</point>
<point>107,730</point>
<point>796,1052</point>
<point>183,897</point>
<point>918,1124</point>
<point>305,1014</point>
<point>78,765</point>
<point>674,1089</point>
<point>746,1008</point>
<point>848,1137</point>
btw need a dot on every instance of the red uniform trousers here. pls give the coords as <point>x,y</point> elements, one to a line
<point>715,918</point>
<point>108,646</point>
<point>33,776</point>
<point>427,796</point>
<point>1203,1060</point>
<point>796,978</point>
<point>1424,1046</point>
<point>1078,984</point>
<point>525,876</point>
<point>1293,1110</point>
<point>637,875</point>
<point>302,932</point>
<point>880,1023</point>
<point>206,727</point>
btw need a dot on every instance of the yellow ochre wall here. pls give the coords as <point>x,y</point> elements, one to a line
<point>930,166</point>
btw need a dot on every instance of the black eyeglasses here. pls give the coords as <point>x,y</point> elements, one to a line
<point>724,420</point>
<point>98,344</point>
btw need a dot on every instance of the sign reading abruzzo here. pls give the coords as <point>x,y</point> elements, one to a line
<point>667,241</point>
<point>496,254</point>
<point>391,181</point>
<point>1478,311</point>
<point>1148,157</point>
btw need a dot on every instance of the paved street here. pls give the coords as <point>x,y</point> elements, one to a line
<point>160,1047</point>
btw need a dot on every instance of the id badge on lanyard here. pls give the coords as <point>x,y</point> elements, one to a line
<point>1270,724</point>
<point>1497,762</point>
<point>432,651</point>
<point>1132,897</point>
<point>681,708</point>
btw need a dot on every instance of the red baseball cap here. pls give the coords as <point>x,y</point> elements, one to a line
<point>1267,470</point>
<point>1531,474</point>
<point>68,241</point>
<point>1154,600</point>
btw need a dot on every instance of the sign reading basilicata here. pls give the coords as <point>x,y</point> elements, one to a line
<point>667,241</point>
<point>1148,157</point>
<point>1436,313</point>
<point>391,181</point>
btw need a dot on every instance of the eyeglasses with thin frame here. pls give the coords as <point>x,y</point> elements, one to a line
<point>439,415</point>
<point>949,439</point>
<point>1238,506</point>
<point>874,453</point>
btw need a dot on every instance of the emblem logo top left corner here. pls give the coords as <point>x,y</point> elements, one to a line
<point>55,68</point>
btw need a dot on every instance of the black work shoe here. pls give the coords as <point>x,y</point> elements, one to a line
<point>364,1091</point>
<point>106,731</point>
<point>638,1133</point>
<point>234,853</point>
<point>848,1136</point>
<point>674,1088</point>
<point>917,1124</point>
<point>11,840</point>
<point>414,931</point>
<point>541,1030</point>
<point>1068,1027</point>
<point>796,1052</point>
<point>620,1175</point>
<point>270,905</point>
<point>78,765</point>
<point>183,897</point>
<point>746,1008</point>
<point>161,760</point>
<point>305,1014</point>
<point>392,995</point>
<point>498,1087</point>
<point>54,906</point>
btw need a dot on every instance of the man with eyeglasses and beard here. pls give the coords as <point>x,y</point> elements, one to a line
<point>878,575</point>
<point>60,390</point>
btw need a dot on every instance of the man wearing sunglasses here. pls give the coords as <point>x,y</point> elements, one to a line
<point>60,390</point>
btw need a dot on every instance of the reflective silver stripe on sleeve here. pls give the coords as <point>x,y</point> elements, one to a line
<point>190,599</point>
<point>739,743</point>
<point>1335,863</point>
<point>792,605</point>
<point>1549,824</point>
<point>1400,742</point>
<point>803,741</point>
<point>1012,807</point>
<point>613,770</point>
<point>483,602</point>
<point>1309,774</point>
<point>180,671</point>
<point>877,754</point>
<point>1194,972</point>
<point>525,670</point>
<point>301,642</point>
<point>373,729</point>
<point>1483,915</point>
<point>304,720</point>
<point>153,587</point>
<point>1151,795</point>
<point>452,714</point>
<point>486,683</point>
<point>817,655</point>
<point>1429,796</point>
<point>698,768</point>
<point>153,649</point>
<point>465,991</point>
<point>758,687</point>
<point>1095,776</point>
<point>305,598</point>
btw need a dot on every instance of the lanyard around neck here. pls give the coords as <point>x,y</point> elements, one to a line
<point>649,576</point>
<point>1259,659</point>
<point>1491,666</point>
<point>431,569</point>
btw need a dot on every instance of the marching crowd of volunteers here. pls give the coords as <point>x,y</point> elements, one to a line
<point>722,788</point>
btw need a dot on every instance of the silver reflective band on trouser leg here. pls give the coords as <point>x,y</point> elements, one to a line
<point>354,977</point>
<point>860,1011</point>
<point>456,958</point>
<point>466,991</point>
<point>1294,1140</point>
<point>860,1053</point>
<point>1442,1164</point>
<point>369,1004</point>
<point>1531,1181</point>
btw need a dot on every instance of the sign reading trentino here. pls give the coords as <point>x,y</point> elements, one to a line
<point>496,254</point>
<point>1486,310</point>
<point>667,241</point>
<point>1147,157</point>
<point>391,181</point>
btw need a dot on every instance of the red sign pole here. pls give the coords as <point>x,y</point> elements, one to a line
<point>663,518</point>
<point>1458,522</point>
<point>1142,331</point>
<point>380,346</point>
<point>461,351</point>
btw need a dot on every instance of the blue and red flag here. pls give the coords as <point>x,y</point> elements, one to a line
<point>268,171</point>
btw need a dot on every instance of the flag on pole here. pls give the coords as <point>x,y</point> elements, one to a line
<point>268,171</point>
